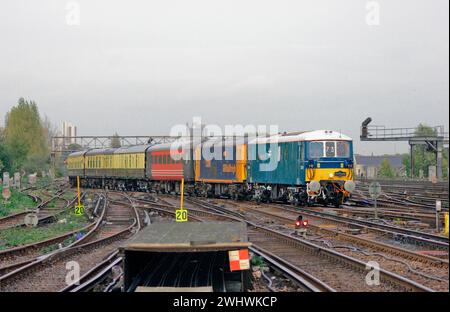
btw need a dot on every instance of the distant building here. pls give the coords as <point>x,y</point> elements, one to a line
<point>69,130</point>
<point>65,134</point>
<point>369,166</point>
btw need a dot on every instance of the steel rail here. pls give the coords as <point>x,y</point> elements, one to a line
<point>413,234</point>
<point>71,249</point>
<point>405,253</point>
<point>90,279</point>
<point>393,278</point>
<point>295,273</point>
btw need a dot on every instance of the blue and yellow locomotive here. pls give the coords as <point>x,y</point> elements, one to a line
<point>310,167</point>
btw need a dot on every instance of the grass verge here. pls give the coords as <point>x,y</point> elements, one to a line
<point>23,235</point>
<point>17,203</point>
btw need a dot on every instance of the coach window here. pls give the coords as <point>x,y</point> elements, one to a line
<point>315,149</point>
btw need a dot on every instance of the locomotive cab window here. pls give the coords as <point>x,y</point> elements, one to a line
<point>319,149</point>
<point>342,149</point>
<point>315,149</point>
<point>330,150</point>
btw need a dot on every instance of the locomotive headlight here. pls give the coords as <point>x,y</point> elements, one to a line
<point>349,186</point>
<point>331,174</point>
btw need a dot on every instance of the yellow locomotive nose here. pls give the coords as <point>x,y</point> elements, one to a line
<point>329,174</point>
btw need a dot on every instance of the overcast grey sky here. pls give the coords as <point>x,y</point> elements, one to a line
<point>139,67</point>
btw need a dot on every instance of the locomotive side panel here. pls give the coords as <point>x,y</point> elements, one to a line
<point>275,163</point>
<point>230,169</point>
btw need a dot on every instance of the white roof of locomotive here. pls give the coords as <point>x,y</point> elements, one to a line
<point>317,135</point>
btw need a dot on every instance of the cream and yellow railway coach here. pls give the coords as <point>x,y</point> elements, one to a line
<point>122,168</point>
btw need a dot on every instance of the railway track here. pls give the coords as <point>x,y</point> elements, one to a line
<point>48,273</point>
<point>403,194</point>
<point>97,275</point>
<point>427,270</point>
<point>294,250</point>
<point>287,218</point>
<point>45,213</point>
<point>297,275</point>
<point>399,235</point>
<point>278,245</point>
<point>16,257</point>
<point>183,271</point>
<point>410,219</point>
<point>419,237</point>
